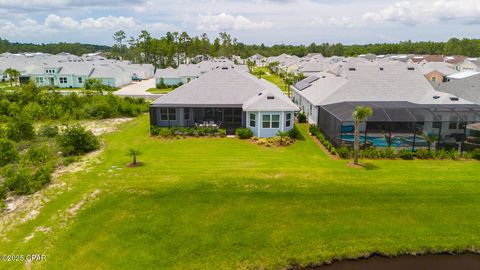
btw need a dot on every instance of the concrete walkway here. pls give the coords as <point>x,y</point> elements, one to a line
<point>138,89</point>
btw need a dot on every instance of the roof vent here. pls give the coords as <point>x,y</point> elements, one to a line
<point>454,98</point>
<point>224,68</point>
<point>260,94</point>
<point>410,68</point>
<point>270,97</point>
<point>381,68</point>
<point>436,97</point>
<point>352,69</point>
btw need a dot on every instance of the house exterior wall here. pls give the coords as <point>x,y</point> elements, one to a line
<point>261,132</point>
<point>306,106</point>
<point>168,81</point>
<point>435,76</point>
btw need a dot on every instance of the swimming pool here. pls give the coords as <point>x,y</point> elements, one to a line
<point>382,142</point>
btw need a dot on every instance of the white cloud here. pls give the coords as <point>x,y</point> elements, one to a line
<point>333,22</point>
<point>428,11</point>
<point>226,22</point>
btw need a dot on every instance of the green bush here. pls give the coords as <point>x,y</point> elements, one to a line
<point>344,152</point>
<point>222,132</point>
<point>475,154</point>
<point>8,152</point>
<point>453,154</point>
<point>20,128</point>
<point>294,133</point>
<point>3,196</point>
<point>424,154</point>
<point>244,133</point>
<point>389,153</point>
<point>441,154</point>
<point>77,140</point>
<point>372,153</point>
<point>48,131</point>
<point>24,179</point>
<point>405,154</point>
<point>302,117</point>
<point>165,132</point>
<point>314,130</point>
<point>38,154</point>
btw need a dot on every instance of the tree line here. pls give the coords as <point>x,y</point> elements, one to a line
<point>52,48</point>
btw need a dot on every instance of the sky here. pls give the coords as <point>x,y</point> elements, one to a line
<point>250,21</point>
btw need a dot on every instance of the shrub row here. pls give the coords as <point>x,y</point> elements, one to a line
<point>315,131</point>
<point>389,153</point>
<point>166,132</point>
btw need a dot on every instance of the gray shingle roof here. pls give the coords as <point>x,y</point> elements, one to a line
<point>468,88</point>
<point>221,87</point>
<point>375,82</point>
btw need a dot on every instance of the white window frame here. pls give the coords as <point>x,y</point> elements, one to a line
<point>63,79</point>
<point>252,119</point>
<point>168,113</point>
<point>270,121</point>
<point>288,119</point>
<point>80,80</point>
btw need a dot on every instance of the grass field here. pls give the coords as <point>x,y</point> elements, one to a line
<point>160,91</point>
<point>212,203</point>
<point>272,77</point>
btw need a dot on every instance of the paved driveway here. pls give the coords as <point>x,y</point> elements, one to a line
<point>138,89</point>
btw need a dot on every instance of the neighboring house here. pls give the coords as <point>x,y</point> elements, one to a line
<point>65,70</point>
<point>186,73</point>
<point>437,72</point>
<point>230,98</point>
<point>462,75</point>
<point>472,64</point>
<point>456,61</point>
<point>405,106</point>
<point>258,59</point>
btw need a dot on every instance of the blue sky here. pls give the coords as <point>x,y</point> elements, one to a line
<point>251,21</point>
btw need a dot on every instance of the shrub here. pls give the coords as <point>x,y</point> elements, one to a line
<point>244,133</point>
<point>48,131</point>
<point>38,154</point>
<point>371,153</point>
<point>441,154</point>
<point>222,132</point>
<point>3,196</point>
<point>20,128</point>
<point>294,133</point>
<point>8,152</point>
<point>165,132</point>
<point>405,154</point>
<point>154,130</point>
<point>453,154</point>
<point>389,153</point>
<point>77,140</point>
<point>424,154</point>
<point>475,154</point>
<point>314,129</point>
<point>344,152</point>
<point>24,179</point>
<point>302,117</point>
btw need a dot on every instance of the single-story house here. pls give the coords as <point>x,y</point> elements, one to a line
<point>231,99</point>
<point>405,106</point>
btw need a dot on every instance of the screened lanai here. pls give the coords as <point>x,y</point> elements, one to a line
<point>400,124</point>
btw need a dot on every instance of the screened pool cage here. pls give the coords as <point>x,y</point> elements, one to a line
<point>400,124</point>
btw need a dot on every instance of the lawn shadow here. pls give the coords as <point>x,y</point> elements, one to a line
<point>367,166</point>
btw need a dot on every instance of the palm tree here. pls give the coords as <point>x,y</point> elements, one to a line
<point>288,80</point>
<point>360,114</point>
<point>430,139</point>
<point>260,73</point>
<point>13,74</point>
<point>134,153</point>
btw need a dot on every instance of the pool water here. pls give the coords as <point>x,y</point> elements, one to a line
<point>382,142</point>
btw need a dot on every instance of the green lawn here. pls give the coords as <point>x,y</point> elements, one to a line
<point>211,203</point>
<point>160,91</point>
<point>272,77</point>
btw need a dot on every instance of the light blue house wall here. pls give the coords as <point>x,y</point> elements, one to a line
<point>262,132</point>
<point>169,81</point>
